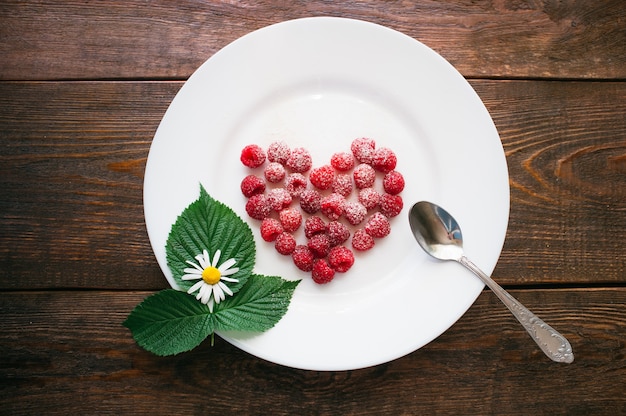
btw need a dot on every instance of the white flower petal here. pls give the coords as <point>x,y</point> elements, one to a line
<point>226,265</point>
<point>195,287</point>
<point>225,288</point>
<point>194,265</point>
<point>216,258</point>
<point>206,293</point>
<point>211,294</point>
<point>218,293</point>
<point>229,271</point>
<point>202,261</point>
<point>191,277</point>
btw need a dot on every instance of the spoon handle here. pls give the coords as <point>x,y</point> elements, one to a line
<point>551,342</point>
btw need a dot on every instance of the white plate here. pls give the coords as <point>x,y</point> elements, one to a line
<point>320,83</point>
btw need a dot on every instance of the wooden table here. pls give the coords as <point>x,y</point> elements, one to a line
<point>83,87</point>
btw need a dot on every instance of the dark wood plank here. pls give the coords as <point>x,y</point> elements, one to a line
<point>67,353</point>
<point>72,162</point>
<point>76,40</point>
<point>71,191</point>
<point>566,153</point>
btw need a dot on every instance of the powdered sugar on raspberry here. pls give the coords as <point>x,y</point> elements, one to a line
<point>322,271</point>
<point>290,219</point>
<point>322,177</point>
<point>336,208</point>
<point>278,152</point>
<point>299,160</point>
<point>342,161</point>
<point>363,149</point>
<point>274,172</point>
<point>393,182</point>
<point>279,199</point>
<point>285,243</point>
<point>378,226</point>
<point>342,184</point>
<point>310,201</point>
<point>295,184</point>
<point>369,198</point>
<point>364,176</point>
<point>355,212</point>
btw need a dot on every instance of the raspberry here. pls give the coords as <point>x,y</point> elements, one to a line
<point>337,233</point>
<point>364,176</point>
<point>252,185</point>
<point>355,212</point>
<point>278,152</point>
<point>285,243</point>
<point>322,272</point>
<point>342,161</point>
<point>299,160</point>
<point>314,225</point>
<point>384,160</point>
<point>258,207</point>
<point>274,172</point>
<point>342,184</point>
<point>378,226</point>
<point>279,199</point>
<point>270,229</point>
<point>369,198</point>
<point>319,245</point>
<point>391,205</point>
<point>252,156</point>
<point>341,259</point>
<point>363,149</point>
<point>303,258</point>
<point>322,177</point>
<point>333,206</point>
<point>310,201</point>
<point>362,241</point>
<point>393,182</point>
<point>290,219</point>
<point>295,184</point>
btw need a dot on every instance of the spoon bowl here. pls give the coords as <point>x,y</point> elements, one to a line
<point>439,234</point>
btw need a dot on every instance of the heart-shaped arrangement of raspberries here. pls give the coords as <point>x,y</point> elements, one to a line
<point>342,206</point>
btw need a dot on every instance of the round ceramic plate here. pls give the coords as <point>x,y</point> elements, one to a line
<point>320,83</point>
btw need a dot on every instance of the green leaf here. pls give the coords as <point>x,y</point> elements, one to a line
<point>207,224</point>
<point>170,322</point>
<point>258,306</point>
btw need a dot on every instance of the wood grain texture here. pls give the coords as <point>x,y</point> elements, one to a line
<point>565,144</point>
<point>83,87</point>
<point>71,192</point>
<point>72,163</point>
<point>62,345</point>
<point>132,39</point>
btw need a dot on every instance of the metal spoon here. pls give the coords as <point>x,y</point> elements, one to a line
<point>438,233</point>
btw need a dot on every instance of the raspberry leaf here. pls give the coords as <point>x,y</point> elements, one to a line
<point>170,322</point>
<point>258,306</point>
<point>207,224</point>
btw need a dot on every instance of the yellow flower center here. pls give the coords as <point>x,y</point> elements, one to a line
<point>211,275</point>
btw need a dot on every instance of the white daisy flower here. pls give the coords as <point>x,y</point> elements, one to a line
<point>211,287</point>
